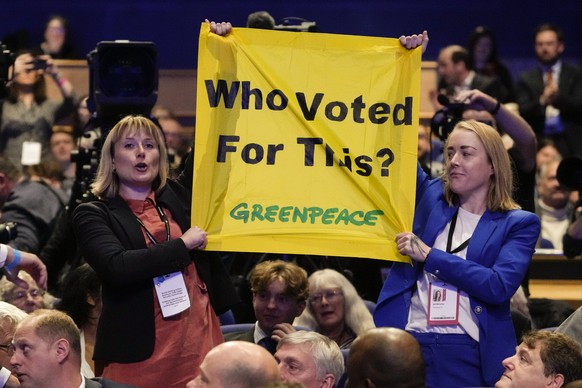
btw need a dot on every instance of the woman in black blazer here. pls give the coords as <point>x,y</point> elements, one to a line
<point>136,235</point>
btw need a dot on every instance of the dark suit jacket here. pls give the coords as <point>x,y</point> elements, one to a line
<point>488,85</point>
<point>530,87</point>
<point>111,240</point>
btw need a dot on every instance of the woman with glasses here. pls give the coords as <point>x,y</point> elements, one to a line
<point>27,300</point>
<point>334,308</point>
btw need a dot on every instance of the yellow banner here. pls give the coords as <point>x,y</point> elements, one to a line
<point>306,143</point>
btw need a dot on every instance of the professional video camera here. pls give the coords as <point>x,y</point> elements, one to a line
<point>444,120</point>
<point>569,173</point>
<point>123,80</point>
<point>6,61</point>
<point>8,232</point>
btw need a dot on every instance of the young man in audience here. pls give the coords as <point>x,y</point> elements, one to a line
<point>310,359</point>
<point>280,290</point>
<point>237,364</point>
<point>385,357</point>
<point>543,359</point>
<point>46,352</point>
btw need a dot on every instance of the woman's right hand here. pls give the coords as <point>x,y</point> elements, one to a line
<point>194,238</point>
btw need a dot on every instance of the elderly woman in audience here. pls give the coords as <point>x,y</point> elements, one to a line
<point>335,309</point>
<point>28,300</point>
<point>81,300</point>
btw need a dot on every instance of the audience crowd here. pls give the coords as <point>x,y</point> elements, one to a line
<point>97,319</point>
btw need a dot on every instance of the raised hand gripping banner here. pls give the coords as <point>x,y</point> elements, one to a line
<point>306,143</point>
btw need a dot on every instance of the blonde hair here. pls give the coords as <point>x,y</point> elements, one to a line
<point>357,316</point>
<point>106,184</point>
<point>499,195</point>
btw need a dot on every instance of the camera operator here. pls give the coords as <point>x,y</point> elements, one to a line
<point>27,113</point>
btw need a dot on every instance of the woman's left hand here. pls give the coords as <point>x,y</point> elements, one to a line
<point>410,245</point>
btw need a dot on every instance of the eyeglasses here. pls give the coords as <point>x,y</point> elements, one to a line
<point>330,296</point>
<point>21,295</point>
<point>8,348</point>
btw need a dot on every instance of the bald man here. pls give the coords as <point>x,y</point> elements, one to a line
<point>237,364</point>
<point>385,357</point>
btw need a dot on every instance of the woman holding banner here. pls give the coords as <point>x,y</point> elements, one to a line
<point>471,245</point>
<point>161,293</point>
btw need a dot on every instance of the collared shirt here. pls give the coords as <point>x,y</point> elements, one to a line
<point>259,333</point>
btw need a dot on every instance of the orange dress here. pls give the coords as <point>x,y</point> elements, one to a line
<point>182,340</point>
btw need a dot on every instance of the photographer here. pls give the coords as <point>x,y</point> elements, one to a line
<point>27,113</point>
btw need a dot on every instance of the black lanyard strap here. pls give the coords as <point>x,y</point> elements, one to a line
<point>163,217</point>
<point>450,238</point>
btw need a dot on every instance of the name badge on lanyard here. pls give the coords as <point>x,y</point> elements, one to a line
<point>170,288</point>
<point>443,304</point>
<point>444,299</point>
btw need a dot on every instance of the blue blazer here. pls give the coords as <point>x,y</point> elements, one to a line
<point>498,256</point>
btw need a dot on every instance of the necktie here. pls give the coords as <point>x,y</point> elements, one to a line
<point>269,344</point>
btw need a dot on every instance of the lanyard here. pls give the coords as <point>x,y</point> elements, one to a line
<point>163,218</point>
<point>450,238</point>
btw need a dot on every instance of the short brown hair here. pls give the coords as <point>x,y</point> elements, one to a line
<point>559,353</point>
<point>291,274</point>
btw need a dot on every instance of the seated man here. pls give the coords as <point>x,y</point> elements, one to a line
<point>237,364</point>
<point>543,359</point>
<point>309,359</point>
<point>46,352</point>
<point>386,357</point>
<point>10,317</point>
<point>280,290</point>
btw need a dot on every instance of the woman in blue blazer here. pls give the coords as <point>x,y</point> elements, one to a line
<point>470,248</point>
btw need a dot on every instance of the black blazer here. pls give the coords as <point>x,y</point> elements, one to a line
<point>112,242</point>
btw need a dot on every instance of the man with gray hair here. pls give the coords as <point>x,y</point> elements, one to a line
<point>10,317</point>
<point>310,359</point>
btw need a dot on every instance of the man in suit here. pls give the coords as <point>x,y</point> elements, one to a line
<point>550,94</point>
<point>310,359</point>
<point>456,74</point>
<point>280,290</point>
<point>46,352</point>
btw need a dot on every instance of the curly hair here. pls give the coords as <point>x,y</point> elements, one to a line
<point>291,274</point>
